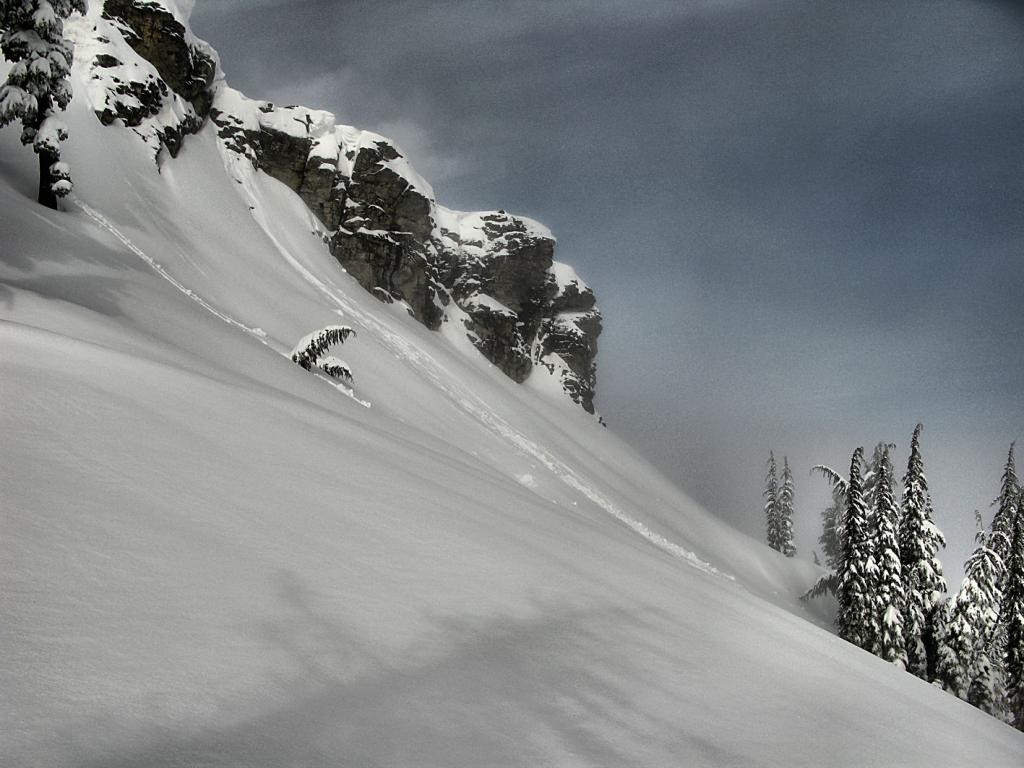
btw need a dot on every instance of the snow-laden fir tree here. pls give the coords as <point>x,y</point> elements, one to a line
<point>785,511</point>
<point>888,596</point>
<point>857,572</point>
<point>872,471</point>
<point>832,516</point>
<point>923,580</point>
<point>311,351</point>
<point>37,87</point>
<point>969,621</point>
<point>1005,503</point>
<point>771,504</point>
<point>831,519</point>
<point>1012,620</point>
<point>987,690</point>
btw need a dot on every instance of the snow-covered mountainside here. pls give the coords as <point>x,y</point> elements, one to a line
<point>212,557</point>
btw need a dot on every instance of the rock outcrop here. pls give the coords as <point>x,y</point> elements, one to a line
<point>150,73</point>
<point>491,272</point>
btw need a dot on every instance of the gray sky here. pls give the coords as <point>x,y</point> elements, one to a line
<point>804,220</point>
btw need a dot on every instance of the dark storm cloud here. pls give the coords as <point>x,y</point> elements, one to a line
<point>803,220</point>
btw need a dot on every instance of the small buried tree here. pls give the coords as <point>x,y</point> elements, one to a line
<point>311,352</point>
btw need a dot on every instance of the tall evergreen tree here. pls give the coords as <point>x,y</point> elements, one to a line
<point>785,511</point>
<point>987,690</point>
<point>832,515</point>
<point>969,620</point>
<point>831,520</point>
<point>857,571</point>
<point>37,85</point>
<point>888,597</point>
<point>771,505</point>
<point>1013,620</point>
<point>924,584</point>
<point>872,471</point>
<point>1005,503</point>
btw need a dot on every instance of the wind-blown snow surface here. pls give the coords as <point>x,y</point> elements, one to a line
<point>210,557</point>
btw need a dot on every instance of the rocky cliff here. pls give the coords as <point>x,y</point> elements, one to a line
<point>491,272</point>
<point>148,72</point>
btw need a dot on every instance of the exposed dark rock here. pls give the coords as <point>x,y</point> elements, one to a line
<point>154,33</point>
<point>496,334</point>
<point>572,336</point>
<point>283,156</point>
<point>288,159</point>
<point>235,136</point>
<point>106,61</point>
<point>159,38</point>
<point>134,100</point>
<point>323,189</point>
<point>384,239</point>
<point>394,263</point>
<point>572,299</point>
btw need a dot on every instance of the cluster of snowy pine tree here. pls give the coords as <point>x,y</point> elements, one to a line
<point>888,581</point>
<point>981,640</point>
<point>778,507</point>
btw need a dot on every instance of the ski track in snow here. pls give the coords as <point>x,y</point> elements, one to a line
<point>106,225</point>
<point>257,333</point>
<point>345,390</point>
<point>476,408</point>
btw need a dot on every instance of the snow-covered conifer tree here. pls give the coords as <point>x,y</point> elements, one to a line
<point>311,351</point>
<point>37,86</point>
<point>857,571</point>
<point>987,690</point>
<point>969,622</point>
<point>888,596</point>
<point>924,584</point>
<point>771,504</point>
<point>785,511</point>
<point>1006,505</point>
<point>871,473</point>
<point>1013,620</point>
<point>831,519</point>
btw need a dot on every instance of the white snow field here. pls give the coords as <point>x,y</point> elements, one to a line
<point>210,557</point>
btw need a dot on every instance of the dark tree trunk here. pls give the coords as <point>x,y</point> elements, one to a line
<point>46,159</point>
<point>931,644</point>
<point>46,195</point>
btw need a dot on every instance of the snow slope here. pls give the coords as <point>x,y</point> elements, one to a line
<point>210,557</point>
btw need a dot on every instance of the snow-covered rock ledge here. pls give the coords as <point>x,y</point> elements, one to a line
<point>492,273</point>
